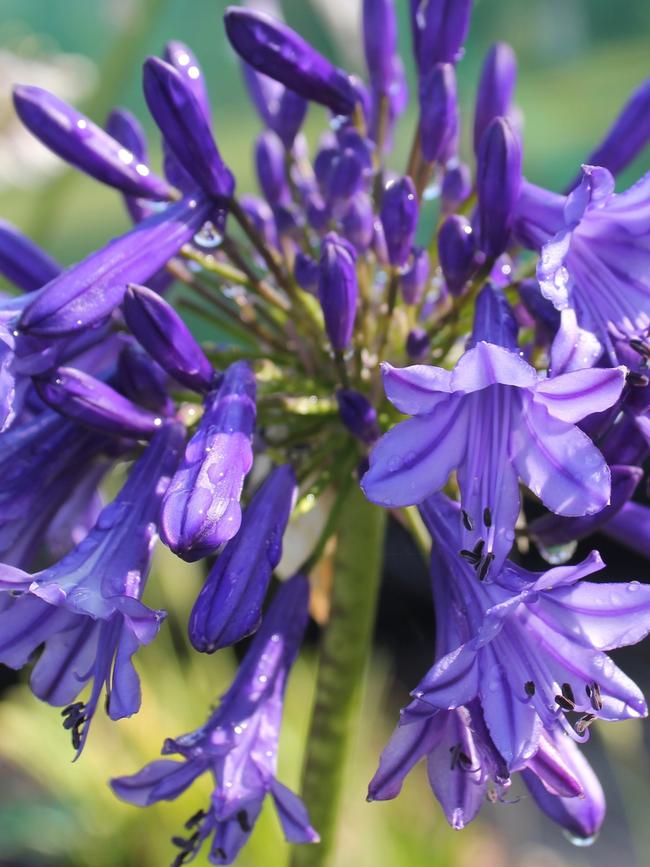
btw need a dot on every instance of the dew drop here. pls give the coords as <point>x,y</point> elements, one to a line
<point>558,554</point>
<point>581,842</point>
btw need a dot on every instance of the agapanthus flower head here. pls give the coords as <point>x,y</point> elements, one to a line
<point>494,420</point>
<point>86,609</point>
<point>273,48</point>
<point>84,145</point>
<point>595,253</point>
<point>237,745</point>
<point>201,507</point>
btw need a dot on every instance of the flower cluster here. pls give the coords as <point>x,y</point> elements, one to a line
<point>528,314</point>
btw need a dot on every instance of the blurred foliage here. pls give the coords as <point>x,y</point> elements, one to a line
<point>579,60</point>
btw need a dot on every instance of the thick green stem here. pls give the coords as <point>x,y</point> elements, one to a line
<point>344,654</point>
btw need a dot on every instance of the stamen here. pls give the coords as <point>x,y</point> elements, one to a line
<point>639,346</point>
<point>244,824</point>
<point>584,722</point>
<point>75,717</point>
<point>195,819</point>
<point>596,699</point>
<point>470,556</point>
<point>220,852</point>
<point>637,380</point>
<point>477,550</point>
<point>467,521</point>
<point>564,703</point>
<point>487,517</point>
<point>567,692</point>
<point>529,686</point>
<point>485,568</point>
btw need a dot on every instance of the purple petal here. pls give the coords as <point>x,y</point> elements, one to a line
<point>573,396</point>
<point>22,262</point>
<point>293,815</point>
<point>162,780</point>
<point>181,58</point>
<point>487,364</point>
<point>407,746</point>
<point>416,390</point>
<point>573,348</point>
<point>559,463</point>
<point>63,668</point>
<point>415,458</point>
<point>453,680</point>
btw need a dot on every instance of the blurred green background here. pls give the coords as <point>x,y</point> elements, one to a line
<point>579,59</point>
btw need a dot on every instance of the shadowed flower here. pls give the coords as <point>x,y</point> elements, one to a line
<point>86,609</point>
<point>237,745</point>
<point>494,420</point>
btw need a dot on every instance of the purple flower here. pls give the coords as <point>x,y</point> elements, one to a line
<point>89,291</point>
<point>456,187</point>
<point>22,261</point>
<point>631,527</point>
<point>357,221</point>
<point>498,181</point>
<point>306,271</point>
<point>86,609</point>
<point>238,745</point>
<point>229,606</point>
<point>172,101</point>
<point>438,112</point>
<point>282,110</point>
<point>178,55</point>
<point>399,218</point>
<point>162,332</point>
<point>531,648</point>
<point>494,420</point>
<point>580,816</point>
<point>201,507</point>
<point>140,378</point>
<point>84,145</point>
<point>627,136</point>
<point>278,51</point>
<point>338,290</point>
<point>457,251</point>
<point>439,31</point>
<point>595,253</point>
<point>417,344</point>
<point>495,89</point>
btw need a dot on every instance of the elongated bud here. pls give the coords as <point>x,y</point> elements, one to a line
<point>143,381</point>
<point>261,215</point>
<point>281,109</point>
<point>89,291</point>
<point>456,187</point>
<point>379,42</point>
<point>201,507</point>
<point>161,331</point>
<point>338,290</point>
<point>438,111</point>
<point>357,221</point>
<point>456,250</point>
<point>22,261</point>
<point>414,276</point>
<point>279,52</point>
<point>270,165</point>
<point>95,404</point>
<point>399,218</point>
<point>182,59</point>
<point>495,90</point>
<point>358,415</point>
<point>498,181</point>
<point>83,144</point>
<point>182,121</point>
<point>494,320</point>
<point>439,31</point>
<point>346,176</point>
<point>229,606</point>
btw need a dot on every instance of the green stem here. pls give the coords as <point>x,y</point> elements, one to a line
<point>344,653</point>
